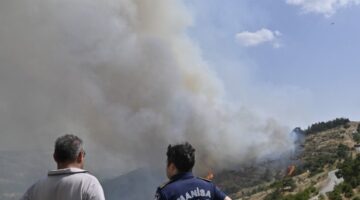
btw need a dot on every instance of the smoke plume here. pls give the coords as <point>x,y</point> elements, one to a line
<point>123,74</point>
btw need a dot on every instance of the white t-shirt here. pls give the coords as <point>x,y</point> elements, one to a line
<point>66,184</point>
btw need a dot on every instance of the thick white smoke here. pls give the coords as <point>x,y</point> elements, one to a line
<point>123,73</point>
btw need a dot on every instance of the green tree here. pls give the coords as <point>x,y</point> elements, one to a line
<point>356,137</point>
<point>350,171</point>
<point>276,195</point>
<point>342,151</point>
<point>347,190</point>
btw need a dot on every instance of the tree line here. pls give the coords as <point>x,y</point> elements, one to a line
<point>323,126</point>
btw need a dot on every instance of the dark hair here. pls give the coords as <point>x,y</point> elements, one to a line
<point>67,148</point>
<point>182,155</point>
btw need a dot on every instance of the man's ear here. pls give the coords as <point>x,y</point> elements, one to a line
<point>80,157</point>
<point>172,166</point>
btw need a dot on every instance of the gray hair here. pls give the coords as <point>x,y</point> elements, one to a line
<point>67,148</point>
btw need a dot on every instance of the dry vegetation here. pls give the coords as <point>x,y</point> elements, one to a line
<point>321,153</point>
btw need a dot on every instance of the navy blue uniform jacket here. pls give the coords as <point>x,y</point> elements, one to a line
<point>185,186</point>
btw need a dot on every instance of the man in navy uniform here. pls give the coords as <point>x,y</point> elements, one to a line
<point>182,184</point>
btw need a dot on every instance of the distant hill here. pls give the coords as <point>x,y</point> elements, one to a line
<point>252,175</point>
<point>334,146</point>
<point>136,185</point>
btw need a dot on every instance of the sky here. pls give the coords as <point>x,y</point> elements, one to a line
<point>294,60</point>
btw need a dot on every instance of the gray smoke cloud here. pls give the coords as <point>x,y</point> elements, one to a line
<point>123,74</point>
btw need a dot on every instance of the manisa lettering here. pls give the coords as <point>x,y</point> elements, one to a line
<point>195,193</point>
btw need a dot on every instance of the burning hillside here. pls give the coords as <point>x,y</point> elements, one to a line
<point>314,174</point>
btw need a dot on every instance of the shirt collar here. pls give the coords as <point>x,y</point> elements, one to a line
<point>66,171</point>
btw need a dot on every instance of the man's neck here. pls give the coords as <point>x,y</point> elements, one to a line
<point>68,165</point>
<point>178,174</point>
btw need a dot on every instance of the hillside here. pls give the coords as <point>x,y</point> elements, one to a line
<point>313,169</point>
<point>313,166</point>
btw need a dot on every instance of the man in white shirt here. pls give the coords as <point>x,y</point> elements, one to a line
<point>70,181</point>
